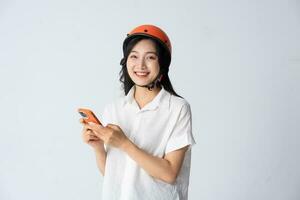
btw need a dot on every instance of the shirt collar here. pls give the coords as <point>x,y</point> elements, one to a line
<point>159,99</point>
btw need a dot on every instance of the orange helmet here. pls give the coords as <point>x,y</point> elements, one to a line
<point>153,32</point>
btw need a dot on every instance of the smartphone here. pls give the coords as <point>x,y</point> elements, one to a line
<point>88,116</point>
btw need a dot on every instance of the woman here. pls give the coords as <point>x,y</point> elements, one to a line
<point>143,148</point>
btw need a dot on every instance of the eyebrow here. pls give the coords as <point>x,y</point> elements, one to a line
<point>146,52</point>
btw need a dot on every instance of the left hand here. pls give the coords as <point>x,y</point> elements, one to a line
<point>110,134</point>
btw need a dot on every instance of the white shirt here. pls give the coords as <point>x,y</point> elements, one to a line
<point>162,126</point>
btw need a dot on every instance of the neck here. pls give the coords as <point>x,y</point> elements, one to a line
<point>143,96</point>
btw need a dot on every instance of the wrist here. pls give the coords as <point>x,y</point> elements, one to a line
<point>99,148</point>
<point>126,145</point>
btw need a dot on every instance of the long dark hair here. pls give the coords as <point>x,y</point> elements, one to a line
<point>163,60</point>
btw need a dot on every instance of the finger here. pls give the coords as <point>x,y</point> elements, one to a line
<point>88,136</point>
<point>98,134</point>
<point>94,138</point>
<point>87,126</point>
<point>91,133</point>
<point>110,125</point>
<point>113,126</point>
<point>94,125</point>
<point>85,134</point>
<point>97,129</point>
<point>85,137</point>
<point>85,129</point>
<point>81,120</point>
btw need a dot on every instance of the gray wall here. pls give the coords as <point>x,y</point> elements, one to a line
<point>236,62</point>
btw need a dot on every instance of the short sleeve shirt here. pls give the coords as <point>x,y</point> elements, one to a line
<point>162,126</point>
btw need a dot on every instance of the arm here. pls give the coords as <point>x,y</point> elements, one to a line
<point>90,138</point>
<point>100,154</point>
<point>165,169</point>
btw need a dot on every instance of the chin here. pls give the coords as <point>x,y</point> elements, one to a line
<point>138,82</point>
<point>141,83</point>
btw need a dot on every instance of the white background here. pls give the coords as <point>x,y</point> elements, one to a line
<point>236,62</point>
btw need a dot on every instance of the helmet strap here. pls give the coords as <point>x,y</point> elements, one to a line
<point>154,83</point>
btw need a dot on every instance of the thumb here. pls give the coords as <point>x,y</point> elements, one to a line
<point>112,126</point>
<point>94,125</point>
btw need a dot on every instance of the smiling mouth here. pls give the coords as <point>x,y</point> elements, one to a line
<point>141,74</point>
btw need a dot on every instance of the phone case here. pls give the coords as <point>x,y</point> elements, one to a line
<point>88,116</point>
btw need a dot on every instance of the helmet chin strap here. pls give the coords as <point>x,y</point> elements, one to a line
<point>151,85</point>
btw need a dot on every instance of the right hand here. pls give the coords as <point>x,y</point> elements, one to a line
<point>89,137</point>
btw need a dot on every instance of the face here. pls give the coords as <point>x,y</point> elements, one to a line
<point>142,63</point>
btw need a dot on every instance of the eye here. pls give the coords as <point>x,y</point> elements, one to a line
<point>152,57</point>
<point>133,56</point>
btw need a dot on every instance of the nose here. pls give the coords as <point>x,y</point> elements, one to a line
<point>141,64</point>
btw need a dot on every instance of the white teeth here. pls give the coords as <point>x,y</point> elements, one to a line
<point>141,73</point>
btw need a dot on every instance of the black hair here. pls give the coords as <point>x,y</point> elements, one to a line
<point>164,60</point>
